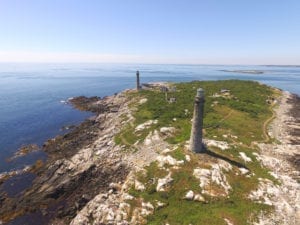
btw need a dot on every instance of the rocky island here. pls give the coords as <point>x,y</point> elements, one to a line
<point>244,71</point>
<point>131,163</point>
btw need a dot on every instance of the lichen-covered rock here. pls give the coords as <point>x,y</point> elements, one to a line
<point>139,214</point>
<point>103,209</point>
<point>189,195</point>
<point>213,175</point>
<point>145,125</point>
<point>167,130</point>
<point>265,190</point>
<point>243,171</point>
<point>199,198</point>
<point>219,144</point>
<point>245,157</point>
<point>159,204</point>
<point>163,183</point>
<point>168,160</point>
<point>187,158</point>
<point>143,100</point>
<point>152,138</point>
<point>139,186</point>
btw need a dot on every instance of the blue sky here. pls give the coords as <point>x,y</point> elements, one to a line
<point>151,31</point>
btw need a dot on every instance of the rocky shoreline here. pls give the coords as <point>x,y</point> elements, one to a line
<point>80,164</point>
<point>283,160</point>
<point>87,176</point>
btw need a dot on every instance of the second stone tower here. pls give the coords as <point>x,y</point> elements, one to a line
<point>197,124</point>
<point>138,86</point>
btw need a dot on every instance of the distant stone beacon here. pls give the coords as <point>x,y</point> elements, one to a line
<point>197,124</point>
<point>138,80</point>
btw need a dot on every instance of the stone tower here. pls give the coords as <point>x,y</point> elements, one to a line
<point>138,81</point>
<point>197,124</point>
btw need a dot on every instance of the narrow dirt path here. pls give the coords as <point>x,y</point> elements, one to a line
<point>227,116</point>
<point>267,122</point>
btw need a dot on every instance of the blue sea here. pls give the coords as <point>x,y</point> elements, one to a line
<point>32,95</point>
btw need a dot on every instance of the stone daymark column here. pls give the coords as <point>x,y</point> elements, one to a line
<point>138,81</point>
<point>197,124</point>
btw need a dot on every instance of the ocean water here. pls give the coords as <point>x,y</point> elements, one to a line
<point>32,96</point>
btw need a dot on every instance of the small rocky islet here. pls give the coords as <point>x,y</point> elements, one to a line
<point>130,163</point>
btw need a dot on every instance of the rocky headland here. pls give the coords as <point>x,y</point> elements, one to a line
<point>80,165</point>
<point>95,174</point>
<point>244,71</point>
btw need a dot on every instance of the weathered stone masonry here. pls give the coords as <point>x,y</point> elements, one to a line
<point>197,124</point>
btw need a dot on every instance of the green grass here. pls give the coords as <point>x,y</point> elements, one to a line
<point>248,106</point>
<point>236,207</point>
<point>240,117</point>
<point>187,212</point>
<point>178,154</point>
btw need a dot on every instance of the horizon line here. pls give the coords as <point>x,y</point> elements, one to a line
<point>150,63</point>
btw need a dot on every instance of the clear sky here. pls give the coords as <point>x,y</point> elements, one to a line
<point>151,31</point>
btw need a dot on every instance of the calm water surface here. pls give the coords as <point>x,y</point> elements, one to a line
<point>32,95</point>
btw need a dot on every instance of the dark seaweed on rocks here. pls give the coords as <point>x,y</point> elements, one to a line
<point>24,150</point>
<point>56,197</point>
<point>92,104</point>
<point>67,145</point>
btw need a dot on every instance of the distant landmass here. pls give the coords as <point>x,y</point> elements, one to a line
<point>283,65</point>
<point>244,71</point>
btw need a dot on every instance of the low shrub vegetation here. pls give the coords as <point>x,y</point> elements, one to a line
<point>236,116</point>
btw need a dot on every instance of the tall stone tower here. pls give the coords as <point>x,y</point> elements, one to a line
<point>197,124</point>
<point>138,81</point>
